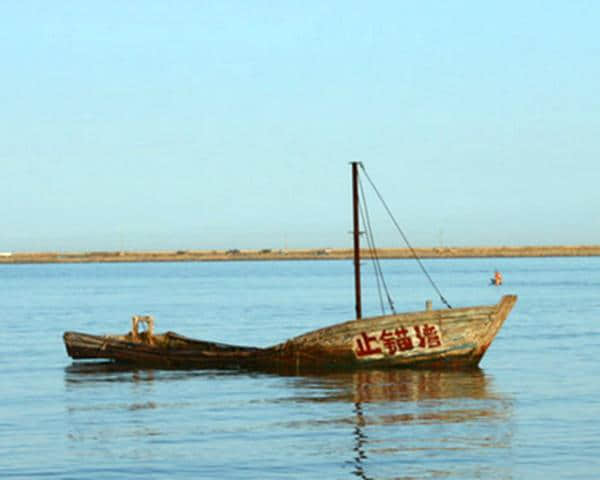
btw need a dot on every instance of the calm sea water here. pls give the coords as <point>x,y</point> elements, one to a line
<point>531,411</point>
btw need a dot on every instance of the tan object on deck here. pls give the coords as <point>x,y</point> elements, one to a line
<point>146,336</point>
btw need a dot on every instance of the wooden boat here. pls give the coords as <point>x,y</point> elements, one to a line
<point>444,338</point>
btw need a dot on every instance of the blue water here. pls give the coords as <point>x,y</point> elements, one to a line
<point>531,411</point>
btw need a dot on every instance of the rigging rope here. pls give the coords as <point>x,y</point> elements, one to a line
<point>405,238</point>
<point>364,211</point>
<point>369,241</point>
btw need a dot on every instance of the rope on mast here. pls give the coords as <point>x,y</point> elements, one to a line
<point>404,237</point>
<point>364,211</point>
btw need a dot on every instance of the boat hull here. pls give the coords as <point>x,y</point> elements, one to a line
<point>446,339</point>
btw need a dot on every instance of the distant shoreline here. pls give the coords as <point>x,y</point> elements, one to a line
<point>295,254</point>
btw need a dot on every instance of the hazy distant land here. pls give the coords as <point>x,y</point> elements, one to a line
<point>296,254</point>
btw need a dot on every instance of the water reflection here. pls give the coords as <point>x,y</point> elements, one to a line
<point>368,386</point>
<point>360,439</point>
<point>82,373</point>
<point>434,417</point>
<point>379,423</point>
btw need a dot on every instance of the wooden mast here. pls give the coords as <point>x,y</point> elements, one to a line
<point>356,235</point>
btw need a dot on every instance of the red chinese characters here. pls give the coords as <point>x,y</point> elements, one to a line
<point>364,346</point>
<point>397,341</point>
<point>428,336</point>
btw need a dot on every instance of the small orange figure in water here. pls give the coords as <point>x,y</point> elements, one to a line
<point>497,280</point>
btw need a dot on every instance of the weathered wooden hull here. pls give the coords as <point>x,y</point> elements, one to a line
<point>456,338</point>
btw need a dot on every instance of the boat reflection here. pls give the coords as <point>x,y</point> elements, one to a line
<point>445,417</point>
<point>100,372</point>
<point>422,423</point>
<point>427,387</point>
<point>84,372</point>
<point>368,386</point>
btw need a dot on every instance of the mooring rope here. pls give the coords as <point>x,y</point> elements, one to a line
<point>404,237</point>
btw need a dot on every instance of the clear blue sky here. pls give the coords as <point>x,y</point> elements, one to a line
<point>230,124</point>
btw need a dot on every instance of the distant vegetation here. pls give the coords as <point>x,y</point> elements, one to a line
<point>308,254</point>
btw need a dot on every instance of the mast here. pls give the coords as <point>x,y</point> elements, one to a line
<point>356,235</point>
